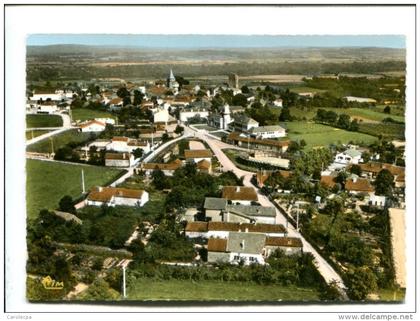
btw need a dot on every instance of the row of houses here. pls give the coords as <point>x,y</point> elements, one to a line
<point>242,242</point>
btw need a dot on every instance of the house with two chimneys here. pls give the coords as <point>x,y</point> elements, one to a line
<point>113,196</point>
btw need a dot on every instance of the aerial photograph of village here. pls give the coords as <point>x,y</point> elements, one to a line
<point>214,170</point>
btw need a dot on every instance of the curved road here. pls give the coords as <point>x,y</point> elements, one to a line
<point>328,273</point>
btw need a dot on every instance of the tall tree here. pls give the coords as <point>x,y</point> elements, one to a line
<point>384,183</point>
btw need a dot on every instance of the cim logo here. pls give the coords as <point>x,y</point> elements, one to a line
<point>51,284</point>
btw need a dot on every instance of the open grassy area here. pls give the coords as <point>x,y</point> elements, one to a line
<point>150,289</point>
<point>317,135</point>
<point>35,133</point>
<point>85,114</point>
<point>304,89</point>
<point>391,295</point>
<point>364,114</point>
<point>58,141</point>
<point>47,182</point>
<point>37,121</point>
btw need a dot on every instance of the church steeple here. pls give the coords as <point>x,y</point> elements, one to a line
<point>171,76</point>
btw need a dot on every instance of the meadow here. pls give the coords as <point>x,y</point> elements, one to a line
<point>58,141</point>
<point>47,182</point>
<point>39,121</point>
<point>317,135</point>
<point>150,289</point>
<point>30,134</point>
<point>83,114</point>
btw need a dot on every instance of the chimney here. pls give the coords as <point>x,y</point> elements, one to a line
<point>100,188</point>
<point>354,179</point>
<point>123,155</point>
<point>243,244</point>
<point>238,188</point>
<point>246,230</point>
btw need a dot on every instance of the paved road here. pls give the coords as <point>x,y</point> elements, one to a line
<point>47,135</point>
<point>324,268</point>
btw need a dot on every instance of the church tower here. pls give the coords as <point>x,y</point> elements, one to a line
<point>172,83</point>
<point>226,117</point>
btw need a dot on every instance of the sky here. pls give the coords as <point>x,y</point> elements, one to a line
<point>218,41</point>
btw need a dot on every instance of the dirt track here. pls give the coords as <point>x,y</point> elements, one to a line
<point>397,222</point>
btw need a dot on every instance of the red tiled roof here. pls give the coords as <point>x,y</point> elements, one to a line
<point>196,227</point>
<point>241,193</point>
<point>328,181</point>
<point>262,228</point>
<point>284,241</point>
<point>216,245</point>
<point>120,139</point>
<point>197,153</point>
<point>91,122</point>
<point>359,185</point>
<point>104,194</point>
<point>224,226</point>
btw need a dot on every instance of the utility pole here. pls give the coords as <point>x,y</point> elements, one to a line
<point>83,181</point>
<point>52,145</point>
<point>123,285</point>
<point>297,222</point>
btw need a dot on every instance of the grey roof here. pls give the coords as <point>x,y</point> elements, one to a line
<point>263,129</point>
<point>243,119</point>
<point>213,203</point>
<point>353,152</point>
<point>253,210</point>
<point>251,243</point>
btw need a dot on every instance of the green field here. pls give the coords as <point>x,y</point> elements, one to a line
<point>38,121</point>
<point>47,182</point>
<point>317,135</point>
<point>360,113</point>
<point>150,289</point>
<point>35,133</point>
<point>393,131</point>
<point>85,114</point>
<point>391,295</point>
<point>58,141</point>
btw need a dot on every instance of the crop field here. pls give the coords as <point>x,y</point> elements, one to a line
<point>47,182</point>
<point>38,121</point>
<point>86,114</point>
<point>58,141</point>
<point>317,135</point>
<point>150,289</point>
<point>394,131</point>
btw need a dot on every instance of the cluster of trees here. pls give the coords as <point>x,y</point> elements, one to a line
<point>379,89</point>
<point>262,114</point>
<point>104,226</point>
<point>333,119</point>
<point>189,187</point>
<point>281,269</point>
